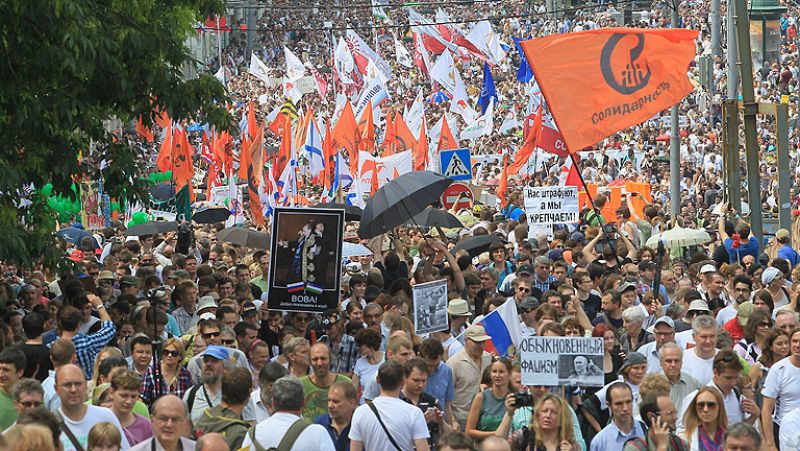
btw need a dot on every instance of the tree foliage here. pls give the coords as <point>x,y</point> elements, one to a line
<point>68,65</point>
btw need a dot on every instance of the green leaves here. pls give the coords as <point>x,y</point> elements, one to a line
<point>69,65</point>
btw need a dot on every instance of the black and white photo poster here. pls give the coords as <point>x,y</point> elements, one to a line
<point>305,259</point>
<point>554,361</point>
<point>430,307</point>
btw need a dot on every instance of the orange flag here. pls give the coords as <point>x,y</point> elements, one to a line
<point>329,155</point>
<point>164,159</point>
<point>366,127</point>
<point>182,164</point>
<point>143,131</point>
<point>284,152</point>
<point>502,187</point>
<point>252,125</point>
<point>446,139</point>
<point>421,150</point>
<point>345,134</point>
<point>601,81</point>
<point>255,173</point>
<point>404,139</point>
<point>531,143</point>
<point>390,138</point>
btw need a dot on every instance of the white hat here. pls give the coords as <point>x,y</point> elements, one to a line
<point>707,268</point>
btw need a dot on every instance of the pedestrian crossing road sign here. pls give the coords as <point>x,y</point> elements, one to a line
<point>456,164</point>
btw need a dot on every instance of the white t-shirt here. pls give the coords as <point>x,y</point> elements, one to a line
<point>725,315</point>
<point>366,372</point>
<point>404,421</point>
<point>783,384</point>
<point>790,430</point>
<point>270,432</point>
<point>80,429</point>
<point>684,339</point>
<point>700,369</point>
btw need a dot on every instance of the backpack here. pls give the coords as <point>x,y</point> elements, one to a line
<point>288,440</point>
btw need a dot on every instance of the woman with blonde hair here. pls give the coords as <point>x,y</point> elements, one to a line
<point>173,377</point>
<point>705,420</point>
<point>27,437</point>
<point>104,436</point>
<point>108,351</point>
<point>550,428</point>
<point>404,324</point>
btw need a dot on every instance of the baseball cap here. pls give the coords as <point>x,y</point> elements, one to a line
<point>745,310</point>
<point>529,303</point>
<point>249,309</point>
<point>181,273</point>
<point>458,307</point>
<point>105,275</point>
<point>633,358</point>
<point>707,268</point>
<point>477,333</point>
<point>627,286</point>
<point>665,320</point>
<point>129,280</point>
<point>698,305</point>
<point>555,254</point>
<point>782,234</point>
<point>525,269</point>
<point>218,352</point>
<point>647,265</point>
<point>206,302</point>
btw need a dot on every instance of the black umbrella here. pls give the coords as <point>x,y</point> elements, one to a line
<point>399,200</point>
<point>211,215</point>
<point>477,244</point>
<point>434,217</point>
<point>151,228</point>
<point>351,212</point>
<point>244,237</point>
<point>163,192</point>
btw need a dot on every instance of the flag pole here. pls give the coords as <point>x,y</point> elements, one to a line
<point>596,210</point>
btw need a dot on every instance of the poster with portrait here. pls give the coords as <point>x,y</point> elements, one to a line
<point>305,259</point>
<point>554,361</point>
<point>430,307</point>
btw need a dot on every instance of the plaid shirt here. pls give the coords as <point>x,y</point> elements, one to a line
<point>544,286</point>
<point>88,345</point>
<point>344,356</point>
<point>180,385</point>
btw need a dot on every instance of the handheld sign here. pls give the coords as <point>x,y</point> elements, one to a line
<point>554,361</point>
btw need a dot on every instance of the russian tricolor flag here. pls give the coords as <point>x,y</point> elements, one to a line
<point>502,324</point>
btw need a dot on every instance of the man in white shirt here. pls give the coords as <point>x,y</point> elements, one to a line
<point>79,417</point>
<point>699,361</point>
<point>388,423</point>
<point>261,398</point>
<point>288,402</point>
<point>527,311</point>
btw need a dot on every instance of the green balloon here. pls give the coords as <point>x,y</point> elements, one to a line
<point>114,206</point>
<point>47,190</point>
<point>52,202</point>
<point>153,178</point>
<point>75,207</point>
<point>167,176</point>
<point>139,217</point>
<point>64,217</point>
<point>131,223</point>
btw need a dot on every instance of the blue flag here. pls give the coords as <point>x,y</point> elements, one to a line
<point>524,73</point>
<point>488,91</point>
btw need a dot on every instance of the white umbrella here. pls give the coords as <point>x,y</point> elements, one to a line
<point>355,250</point>
<point>679,237</point>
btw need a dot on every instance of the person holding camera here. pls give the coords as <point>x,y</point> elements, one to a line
<point>550,427</point>
<point>488,406</point>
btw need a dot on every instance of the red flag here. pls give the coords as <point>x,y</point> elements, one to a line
<point>446,139</point>
<point>569,173</point>
<point>502,187</point>
<point>531,142</point>
<point>345,134</point>
<point>164,158</point>
<point>601,81</point>
<point>421,150</point>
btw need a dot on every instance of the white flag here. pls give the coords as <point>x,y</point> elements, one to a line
<point>484,38</point>
<point>344,63</point>
<point>482,126</point>
<point>402,55</point>
<point>459,103</point>
<point>361,49</point>
<point>510,123</point>
<point>414,116</point>
<point>220,75</point>
<point>294,67</point>
<point>258,68</point>
<point>290,91</point>
<point>445,73</point>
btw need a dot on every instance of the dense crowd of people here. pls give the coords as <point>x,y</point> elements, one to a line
<point>155,344</point>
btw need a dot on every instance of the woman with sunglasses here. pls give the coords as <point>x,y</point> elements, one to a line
<point>755,334</point>
<point>173,377</point>
<point>488,407</point>
<point>705,421</point>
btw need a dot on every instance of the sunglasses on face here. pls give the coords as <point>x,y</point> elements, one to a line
<point>171,353</point>
<point>211,335</point>
<point>706,404</point>
<point>228,342</point>
<point>524,290</point>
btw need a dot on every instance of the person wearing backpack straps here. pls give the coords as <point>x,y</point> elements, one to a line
<point>285,429</point>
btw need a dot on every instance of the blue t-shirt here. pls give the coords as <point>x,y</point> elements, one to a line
<point>786,252</point>
<point>746,248</point>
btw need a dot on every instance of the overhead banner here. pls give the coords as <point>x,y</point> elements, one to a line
<point>305,257</point>
<point>555,361</point>
<point>430,307</point>
<point>551,205</point>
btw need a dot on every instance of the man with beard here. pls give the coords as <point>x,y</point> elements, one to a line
<point>742,287</point>
<point>208,393</point>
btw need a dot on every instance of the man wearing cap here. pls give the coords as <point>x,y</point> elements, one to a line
<point>129,285</point>
<point>524,272</point>
<point>208,392</point>
<point>527,313</point>
<point>458,310</point>
<point>664,332</point>
<point>712,284</point>
<point>628,295</point>
<point>344,351</point>
<point>736,325</point>
<point>785,250</point>
<point>468,366</point>
<point>211,331</point>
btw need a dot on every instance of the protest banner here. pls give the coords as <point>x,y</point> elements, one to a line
<point>547,206</point>
<point>93,204</point>
<point>305,257</point>
<point>554,361</point>
<point>430,307</point>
